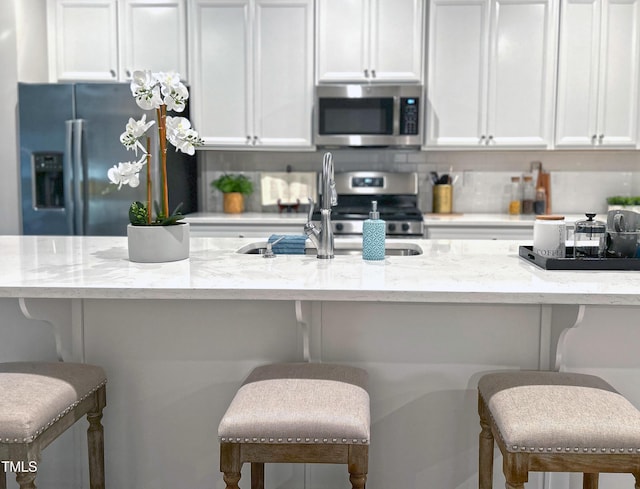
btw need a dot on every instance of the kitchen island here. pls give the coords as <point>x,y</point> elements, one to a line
<point>176,340</point>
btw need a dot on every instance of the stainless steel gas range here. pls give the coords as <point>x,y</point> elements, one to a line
<point>397,197</point>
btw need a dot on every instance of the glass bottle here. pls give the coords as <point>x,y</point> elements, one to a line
<point>515,203</point>
<point>528,195</point>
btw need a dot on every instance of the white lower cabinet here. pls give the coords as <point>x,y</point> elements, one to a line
<point>491,73</point>
<point>598,76</point>
<point>252,72</point>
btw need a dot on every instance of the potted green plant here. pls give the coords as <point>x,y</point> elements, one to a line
<point>159,237</point>
<point>620,202</point>
<point>234,188</point>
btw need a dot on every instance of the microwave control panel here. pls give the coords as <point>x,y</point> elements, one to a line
<point>409,113</point>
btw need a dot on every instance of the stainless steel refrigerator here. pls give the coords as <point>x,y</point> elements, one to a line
<point>69,138</point>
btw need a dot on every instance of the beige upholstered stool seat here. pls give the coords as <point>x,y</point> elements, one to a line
<point>39,401</point>
<point>552,421</point>
<point>297,412</point>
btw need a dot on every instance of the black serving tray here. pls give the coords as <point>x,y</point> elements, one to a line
<point>570,263</point>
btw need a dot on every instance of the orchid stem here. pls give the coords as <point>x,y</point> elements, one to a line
<point>148,180</point>
<point>162,132</point>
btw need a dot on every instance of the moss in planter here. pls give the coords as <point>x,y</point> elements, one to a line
<point>619,200</point>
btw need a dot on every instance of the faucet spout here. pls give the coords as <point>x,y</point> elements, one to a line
<point>322,237</point>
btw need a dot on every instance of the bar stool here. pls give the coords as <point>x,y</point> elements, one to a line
<point>297,413</point>
<point>556,422</point>
<point>38,402</point>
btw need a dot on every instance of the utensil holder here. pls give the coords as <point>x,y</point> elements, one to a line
<point>442,199</point>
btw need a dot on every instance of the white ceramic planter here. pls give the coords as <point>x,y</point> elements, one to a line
<point>156,244</point>
<point>635,208</point>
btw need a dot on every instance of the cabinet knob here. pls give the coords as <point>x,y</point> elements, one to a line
<point>593,138</point>
<point>600,138</point>
<point>490,139</point>
<point>112,73</point>
<point>128,73</point>
<point>482,139</point>
<point>255,140</point>
<point>366,73</point>
<point>248,139</point>
<point>373,73</point>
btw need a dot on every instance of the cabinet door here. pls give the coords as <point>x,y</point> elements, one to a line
<point>343,40</point>
<point>457,72</point>
<point>396,40</point>
<point>522,73</point>
<point>153,36</point>
<point>576,116</point>
<point>221,71</point>
<point>82,37</point>
<point>619,82</point>
<point>283,82</point>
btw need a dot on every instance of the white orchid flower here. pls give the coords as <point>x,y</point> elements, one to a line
<point>134,130</point>
<point>146,90</point>
<point>126,173</point>
<point>180,134</point>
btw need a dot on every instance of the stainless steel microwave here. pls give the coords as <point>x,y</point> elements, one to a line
<point>368,115</point>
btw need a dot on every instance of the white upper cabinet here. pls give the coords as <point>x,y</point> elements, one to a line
<point>108,39</point>
<point>83,40</point>
<point>598,79</point>
<point>491,73</point>
<point>153,36</point>
<point>252,72</point>
<point>369,40</point>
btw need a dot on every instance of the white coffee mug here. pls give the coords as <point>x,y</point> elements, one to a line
<point>549,236</point>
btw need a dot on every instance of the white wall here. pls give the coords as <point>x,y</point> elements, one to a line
<point>9,183</point>
<point>31,40</point>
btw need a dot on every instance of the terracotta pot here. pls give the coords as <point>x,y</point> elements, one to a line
<point>233,203</point>
<point>156,244</point>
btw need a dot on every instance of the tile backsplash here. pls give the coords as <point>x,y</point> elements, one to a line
<point>580,180</point>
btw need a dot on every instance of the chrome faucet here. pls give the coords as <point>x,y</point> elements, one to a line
<point>322,238</point>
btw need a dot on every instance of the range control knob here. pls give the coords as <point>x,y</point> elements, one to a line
<point>405,226</point>
<point>391,227</point>
<point>339,226</point>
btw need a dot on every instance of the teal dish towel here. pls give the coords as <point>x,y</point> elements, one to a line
<point>291,244</point>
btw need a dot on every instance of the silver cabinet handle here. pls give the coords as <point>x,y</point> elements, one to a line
<point>128,73</point>
<point>373,73</point>
<point>112,73</point>
<point>593,139</point>
<point>255,140</point>
<point>600,138</point>
<point>489,139</point>
<point>248,139</point>
<point>366,73</point>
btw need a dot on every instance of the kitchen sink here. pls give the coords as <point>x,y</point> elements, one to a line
<point>342,248</point>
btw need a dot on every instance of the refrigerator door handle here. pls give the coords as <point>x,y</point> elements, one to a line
<point>68,177</point>
<point>78,177</point>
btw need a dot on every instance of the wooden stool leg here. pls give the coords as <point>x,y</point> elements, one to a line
<point>637,476</point>
<point>95,442</point>
<point>485,463</point>
<point>3,479</point>
<point>590,481</point>
<point>257,475</point>
<point>516,469</point>
<point>358,465</point>
<point>230,464</point>
<point>26,480</point>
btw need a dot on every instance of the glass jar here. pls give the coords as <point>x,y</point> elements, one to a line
<point>528,195</point>
<point>589,238</point>
<point>540,202</point>
<point>515,202</point>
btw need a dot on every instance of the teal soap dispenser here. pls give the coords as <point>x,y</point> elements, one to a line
<point>373,235</point>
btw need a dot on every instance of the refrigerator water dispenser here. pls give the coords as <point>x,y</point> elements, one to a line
<point>48,181</point>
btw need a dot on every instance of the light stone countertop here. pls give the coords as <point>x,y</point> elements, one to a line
<point>433,220</point>
<point>453,271</point>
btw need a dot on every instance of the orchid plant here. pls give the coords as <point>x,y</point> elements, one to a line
<point>162,92</point>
